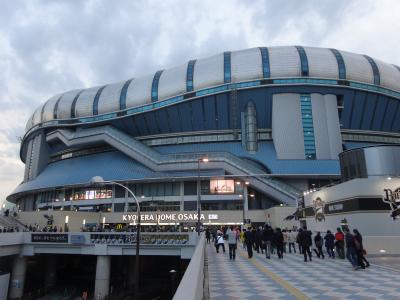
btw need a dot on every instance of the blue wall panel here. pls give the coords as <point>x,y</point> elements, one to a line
<point>358,110</point>
<point>185,111</point>
<point>222,106</point>
<point>369,109</point>
<point>209,112</point>
<point>347,110</point>
<point>396,121</point>
<point>141,125</point>
<point>390,114</point>
<point>162,120</point>
<point>379,113</point>
<point>197,114</point>
<point>151,122</point>
<point>174,118</point>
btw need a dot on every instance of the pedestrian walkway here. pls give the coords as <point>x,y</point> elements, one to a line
<point>292,278</point>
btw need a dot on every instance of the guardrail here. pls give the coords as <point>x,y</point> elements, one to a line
<point>191,286</point>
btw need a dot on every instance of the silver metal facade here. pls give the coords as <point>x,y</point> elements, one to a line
<point>246,65</point>
<point>287,128</point>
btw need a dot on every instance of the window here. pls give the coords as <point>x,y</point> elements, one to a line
<point>119,207</point>
<point>190,188</point>
<point>340,62</point>
<point>265,62</point>
<point>303,60</point>
<point>154,86</point>
<point>227,66</point>
<point>96,101</point>
<point>308,128</point>
<point>122,96</point>
<point>189,75</point>
<point>375,70</point>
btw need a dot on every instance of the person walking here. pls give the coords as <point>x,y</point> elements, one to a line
<point>285,239</point>
<point>278,241</point>
<point>298,240</point>
<point>208,235</point>
<point>249,241</point>
<point>351,251</point>
<point>258,240</point>
<point>339,243</point>
<point>292,240</point>
<point>220,242</point>
<point>267,238</point>
<point>330,243</point>
<point>305,241</point>
<point>242,238</point>
<point>360,249</point>
<point>232,242</point>
<point>319,242</point>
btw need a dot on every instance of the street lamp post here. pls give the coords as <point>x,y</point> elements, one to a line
<point>100,180</point>
<point>204,160</point>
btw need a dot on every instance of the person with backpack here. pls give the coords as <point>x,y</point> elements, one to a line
<point>278,241</point>
<point>220,242</point>
<point>330,243</point>
<point>319,242</point>
<point>298,240</point>
<point>339,243</point>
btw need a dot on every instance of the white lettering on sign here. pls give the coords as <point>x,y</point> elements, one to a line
<point>185,217</point>
<point>335,207</point>
<point>213,217</point>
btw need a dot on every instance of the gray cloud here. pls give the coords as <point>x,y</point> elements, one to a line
<point>47,47</point>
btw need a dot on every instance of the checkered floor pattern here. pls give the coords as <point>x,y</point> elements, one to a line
<point>319,279</point>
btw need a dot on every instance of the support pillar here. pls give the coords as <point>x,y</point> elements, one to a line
<point>245,202</point>
<point>51,272</point>
<point>18,278</point>
<point>102,283</point>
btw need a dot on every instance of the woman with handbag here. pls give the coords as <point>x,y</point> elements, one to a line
<point>360,249</point>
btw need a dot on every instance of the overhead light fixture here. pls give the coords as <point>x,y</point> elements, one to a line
<point>389,178</point>
<point>142,196</point>
<point>382,251</point>
<point>251,195</point>
<point>281,204</point>
<point>237,182</point>
<point>205,160</point>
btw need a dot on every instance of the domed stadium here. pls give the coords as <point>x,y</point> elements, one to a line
<point>255,127</point>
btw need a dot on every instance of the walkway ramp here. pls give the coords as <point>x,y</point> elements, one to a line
<point>292,278</point>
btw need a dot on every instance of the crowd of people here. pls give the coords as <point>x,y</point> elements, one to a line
<point>343,244</point>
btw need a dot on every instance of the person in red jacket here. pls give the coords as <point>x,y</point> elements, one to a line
<point>339,243</point>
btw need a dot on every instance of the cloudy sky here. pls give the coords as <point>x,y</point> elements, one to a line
<point>47,47</point>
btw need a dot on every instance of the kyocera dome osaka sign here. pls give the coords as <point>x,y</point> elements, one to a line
<point>283,113</point>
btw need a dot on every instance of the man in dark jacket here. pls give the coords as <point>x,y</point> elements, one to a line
<point>267,238</point>
<point>249,240</point>
<point>330,243</point>
<point>278,240</point>
<point>305,242</point>
<point>258,240</point>
<point>351,252</point>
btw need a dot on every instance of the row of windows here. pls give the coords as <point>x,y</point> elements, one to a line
<point>370,138</point>
<point>308,127</point>
<point>227,67</point>
<point>215,90</point>
<point>265,62</point>
<point>189,75</point>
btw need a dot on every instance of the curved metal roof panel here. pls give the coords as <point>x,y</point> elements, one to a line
<point>284,62</point>
<point>64,106</point>
<point>172,82</point>
<point>357,67</point>
<point>139,91</point>
<point>390,76</point>
<point>246,65</point>
<point>109,98</point>
<point>208,72</point>
<point>227,67</point>
<point>84,104</point>
<point>322,63</point>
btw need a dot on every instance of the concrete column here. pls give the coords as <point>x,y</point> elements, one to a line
<point>246,200</point>
<point>18,278</point>
<point>102,283</point>
<point>51,271</point>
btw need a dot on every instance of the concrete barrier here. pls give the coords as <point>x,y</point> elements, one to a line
<point>191,286</point>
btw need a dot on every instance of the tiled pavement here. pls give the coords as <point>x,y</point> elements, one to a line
<point>292,278</point>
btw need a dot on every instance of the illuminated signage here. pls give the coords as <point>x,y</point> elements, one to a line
<point>222,186</point>
<point>167,217</point>
<point>49,238</point>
